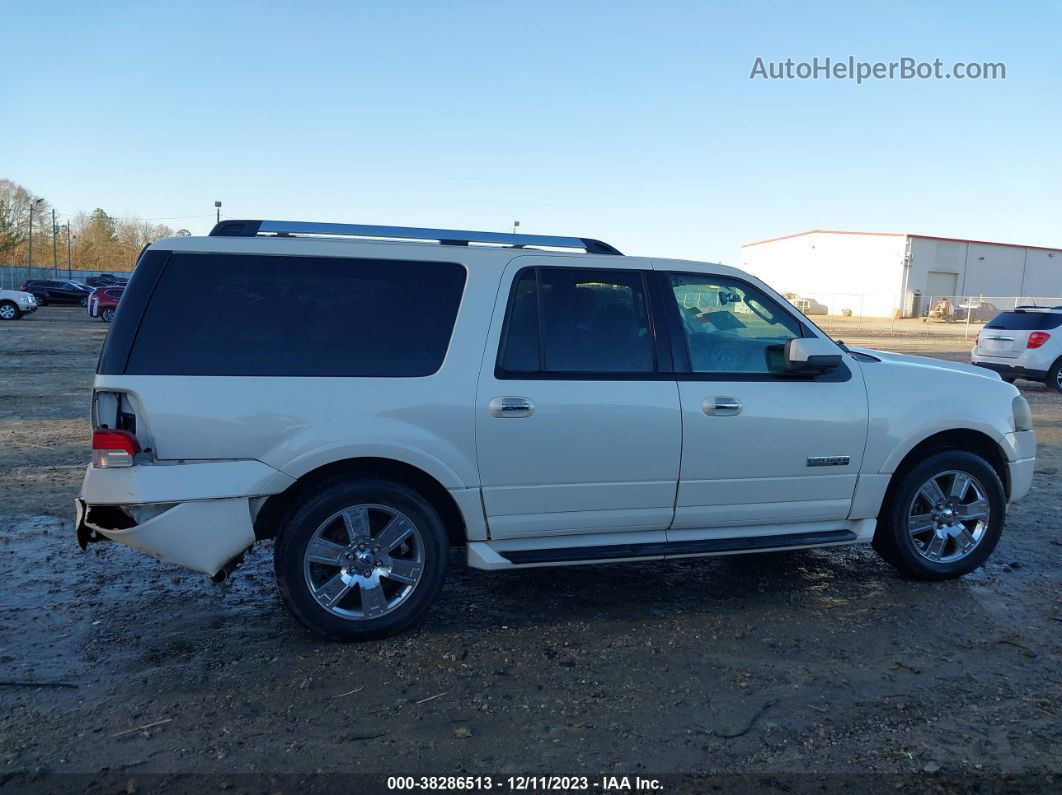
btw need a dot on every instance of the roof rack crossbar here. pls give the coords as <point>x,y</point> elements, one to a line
<point>451,237</point>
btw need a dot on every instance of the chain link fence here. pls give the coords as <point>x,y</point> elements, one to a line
<point>934,315</point>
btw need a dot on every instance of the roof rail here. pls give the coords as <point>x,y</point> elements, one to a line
<point>447,237</point>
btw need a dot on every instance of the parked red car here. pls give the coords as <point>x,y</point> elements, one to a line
<point>104,302</point>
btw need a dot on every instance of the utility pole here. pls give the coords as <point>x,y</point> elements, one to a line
<point>33,203</point>
<point>516,225</point>
<point>55,252</point>
<point>69,270</point>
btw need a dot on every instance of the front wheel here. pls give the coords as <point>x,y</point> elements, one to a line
<point>9,311</point>
<point>362,559</point>
<point>944,518</point>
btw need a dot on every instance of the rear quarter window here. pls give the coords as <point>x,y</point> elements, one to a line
<point>1025,321</point>
<point>251,315</point>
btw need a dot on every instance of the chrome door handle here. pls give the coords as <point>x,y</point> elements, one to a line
<point>512,407</point>
<point>721,406</point>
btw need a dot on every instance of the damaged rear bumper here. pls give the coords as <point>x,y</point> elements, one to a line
<point>195,514</point>
<point>203,536</point>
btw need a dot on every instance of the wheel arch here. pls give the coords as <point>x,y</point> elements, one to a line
<point>957,439</point>
<point>272,512</point>
<point>1056,363</point>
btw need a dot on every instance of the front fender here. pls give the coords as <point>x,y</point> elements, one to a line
<point>916,437</point>
<point>911,399</point>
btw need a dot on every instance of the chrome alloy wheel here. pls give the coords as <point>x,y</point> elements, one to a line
<point>364,561</point>
<point>948,516</point>
<point>8,312</point>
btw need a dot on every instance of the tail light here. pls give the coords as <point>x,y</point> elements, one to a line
<point>1037,338</point>
<point>22,287</point>
<point>113,448</point>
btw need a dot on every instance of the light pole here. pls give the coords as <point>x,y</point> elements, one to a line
<point>69,269</point>
<point>217,206</point>
<point>516,225</point>
<point>33,203</point>
<point>55,250</point>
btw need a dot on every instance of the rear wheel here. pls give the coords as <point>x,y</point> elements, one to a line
<point>360,560</point>
<point>107,315</point>
<point>1054,377</point>
<point>9,310</point>
<point>944,518</point>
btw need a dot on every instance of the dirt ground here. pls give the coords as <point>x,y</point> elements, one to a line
<point>790,664</point>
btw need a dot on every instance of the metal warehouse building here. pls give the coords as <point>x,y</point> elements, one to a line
<point>881,274</point>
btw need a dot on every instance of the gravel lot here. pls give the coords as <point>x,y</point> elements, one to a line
<point>821,662</point>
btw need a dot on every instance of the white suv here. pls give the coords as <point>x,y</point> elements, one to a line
<point>369,400</point>
<point>1023,343</point>
<point>15,303</point>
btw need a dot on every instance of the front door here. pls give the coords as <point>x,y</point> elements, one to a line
<point>759,447</point>
<point>577,422</point>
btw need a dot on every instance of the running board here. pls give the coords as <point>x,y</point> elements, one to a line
<point>676,548</point>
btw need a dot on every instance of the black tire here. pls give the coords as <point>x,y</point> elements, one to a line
<point>9,310</point>
<point>894,542</point>
<point>84,301</point>
<point>308,515</point>
<point>1008,379</point>
<point>107,315</point>
<point>1054,377</point>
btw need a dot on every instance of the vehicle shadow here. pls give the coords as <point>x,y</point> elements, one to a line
<point>655,590</point>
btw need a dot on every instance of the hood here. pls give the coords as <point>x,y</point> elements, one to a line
<point>926,361</point>
<point>16,295</point>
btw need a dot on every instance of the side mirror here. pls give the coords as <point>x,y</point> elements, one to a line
<point>811,355</point>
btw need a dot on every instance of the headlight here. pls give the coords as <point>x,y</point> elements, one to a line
<point>1022,414</point>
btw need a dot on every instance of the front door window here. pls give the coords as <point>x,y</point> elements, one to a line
<point>731,326</point>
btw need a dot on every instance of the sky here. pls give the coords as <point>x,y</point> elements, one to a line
<point>633,122</point>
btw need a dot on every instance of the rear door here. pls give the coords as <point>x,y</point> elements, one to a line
<point>67,291</point>
<point>577,419</point>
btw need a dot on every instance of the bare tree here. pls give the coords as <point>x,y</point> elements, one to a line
<point>99,241</point>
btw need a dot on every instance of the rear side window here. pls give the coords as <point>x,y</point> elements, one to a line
<point>249,315</point>
<point>575,321</point>
<point>1026,321</point>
